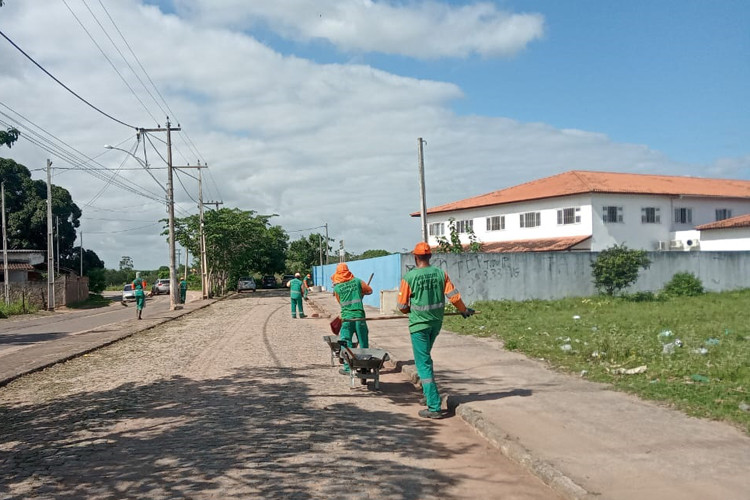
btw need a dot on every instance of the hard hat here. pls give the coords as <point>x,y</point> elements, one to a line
<point>422,248</point>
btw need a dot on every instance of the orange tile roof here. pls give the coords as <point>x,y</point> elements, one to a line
<point>739,221</point>
<point>536,245</point>
<point>17,266</point>
<point>583,181</point>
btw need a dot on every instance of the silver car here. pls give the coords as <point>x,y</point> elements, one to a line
<point>246,284</point>
<point>128,293</point>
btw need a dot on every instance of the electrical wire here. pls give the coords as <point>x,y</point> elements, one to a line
<point>110,61</point>
<point>62,84</point>
<point>125,230</point>
<point>184,188</point>
<point>107,184</point>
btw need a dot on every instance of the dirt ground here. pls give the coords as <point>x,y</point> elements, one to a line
<point>236,401</point>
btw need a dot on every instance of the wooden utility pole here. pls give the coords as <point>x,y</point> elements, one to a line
<point>422,200</point>
<point>50,249</point>
<point>326,226</point>
<point>202,235</point>
<point>5,251</point>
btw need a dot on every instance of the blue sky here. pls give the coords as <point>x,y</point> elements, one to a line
<point>311,109</point>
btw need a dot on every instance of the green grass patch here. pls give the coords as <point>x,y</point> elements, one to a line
<point>709,376</point>
<point>16,308</point>
<point>94,301</point>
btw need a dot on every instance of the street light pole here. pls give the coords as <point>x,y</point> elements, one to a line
<point>422,201</point>
<point>170,196</point>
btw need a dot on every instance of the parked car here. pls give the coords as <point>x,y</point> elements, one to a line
<point>161,286</point>
<point>245,284</point>
<point>128,293</point>
<point>286,279</point>
<point>268,282</point>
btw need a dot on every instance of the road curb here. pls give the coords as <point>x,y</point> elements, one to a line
<point>67,357</point>
<point>501,440</point>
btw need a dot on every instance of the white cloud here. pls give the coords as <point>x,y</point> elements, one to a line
<point>313,143</point>
<point>418,29</point>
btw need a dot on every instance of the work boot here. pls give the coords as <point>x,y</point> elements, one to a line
<point>423,401</point>
<point>302,316</point>
<point>427,413</point>
<point>344,371</point>
<point>294,317</point>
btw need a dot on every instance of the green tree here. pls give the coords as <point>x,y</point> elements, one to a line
<point>238,242</point>
<point>97,280</point>
<point>90,261</point>
<point>8,137</point>
<point>26,208</point>
<point>304,253</point>
<point>454,245</point>
<point>617,267</point>
<point>371,254</point>
<point>126,263</point>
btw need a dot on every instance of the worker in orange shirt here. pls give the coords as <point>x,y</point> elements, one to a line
<point>349,292</point>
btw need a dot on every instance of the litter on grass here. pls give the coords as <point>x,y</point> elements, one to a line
<point>665,334</point>
<point>630,371</point>
<point>712,341</point>
<point>699,378</point>
<point>702,351</point>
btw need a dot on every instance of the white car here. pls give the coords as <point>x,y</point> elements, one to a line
<point>128,293</point>
<point>245,284</point>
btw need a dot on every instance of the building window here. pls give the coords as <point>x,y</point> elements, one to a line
<point>531,219</point>
<point>436,229</point>
<point>464,226</point>
<point>611,214</point>
<point>496,223</point>
<point>650,215</point>
<point>683,215</point>
<point>569,216</point>
<point>723,213</point>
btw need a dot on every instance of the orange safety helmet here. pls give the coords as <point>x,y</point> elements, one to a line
<point>422,248</point>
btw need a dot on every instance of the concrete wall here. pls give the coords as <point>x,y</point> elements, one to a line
<point>386,275</point>
<point>68,290</point>
<point>732,239</point>
<point>552,275</point>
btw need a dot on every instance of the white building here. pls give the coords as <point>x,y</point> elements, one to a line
<point>591,211</point>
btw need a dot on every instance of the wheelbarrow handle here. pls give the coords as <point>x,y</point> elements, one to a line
<point>400,316</point>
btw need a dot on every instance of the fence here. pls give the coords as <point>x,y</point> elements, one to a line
<point>68,290</point>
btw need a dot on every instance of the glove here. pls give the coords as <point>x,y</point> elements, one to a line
<point>468,312</point>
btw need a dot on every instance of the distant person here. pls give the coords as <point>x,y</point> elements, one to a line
<point>139,285</point>
<point>308,284</point>
<point>422,295</point>
<point>183,291</point>
<point>349,292</point>
<point>297,289</point>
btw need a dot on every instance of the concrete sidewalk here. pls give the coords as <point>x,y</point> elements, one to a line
<point>580,437</point>
<point>43,354</point>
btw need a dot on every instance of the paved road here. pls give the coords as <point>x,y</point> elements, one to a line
<point>19,332</point>
<point>235,401</point>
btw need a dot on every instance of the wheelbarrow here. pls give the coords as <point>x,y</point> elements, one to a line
<point>365,364</point>
<point>333,343</point>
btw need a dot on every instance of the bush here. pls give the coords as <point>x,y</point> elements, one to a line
<point>641,297</point>
<point>617,268</point>
<point>684,285</point>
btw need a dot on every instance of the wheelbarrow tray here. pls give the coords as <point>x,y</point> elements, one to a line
<point>370,358</point>
<point>333,343</point>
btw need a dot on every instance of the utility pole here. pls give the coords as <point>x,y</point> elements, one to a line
<point>50,249</point>
<point>326,225</point>
<point>187,255</point>
<point>81,275</point>
<point>217,203</point>
<point>57,231</point>
<point>422,201</point>
<point>170,210</point>
<point>5,250</point>
<point>202,234</point>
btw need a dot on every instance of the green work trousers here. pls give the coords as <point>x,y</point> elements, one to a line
<point>297,303</point>
<point>421,344</point>
<point>140,300</point>
<point>348,329</point>
<point>183,294</point>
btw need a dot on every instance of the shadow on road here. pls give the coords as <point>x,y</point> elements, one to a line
<point>255,433</point>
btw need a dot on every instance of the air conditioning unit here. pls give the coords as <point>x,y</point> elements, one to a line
<point>662,245</point>
<point>693,244</point>
<point>675,244</point>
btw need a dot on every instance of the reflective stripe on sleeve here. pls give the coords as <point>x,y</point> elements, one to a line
<point>350,302</point>
<point>452,293</point>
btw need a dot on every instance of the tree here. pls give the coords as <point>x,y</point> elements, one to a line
<point>617,267</point>
<point>26,206</point>
<point>304,253</point>
<point>371,254</point>
<point>8,137</point>
<point>90,261</point>
<point>238,242</point>
<point>454,245</point>
<point>126,263</point>
<point>97,281</point>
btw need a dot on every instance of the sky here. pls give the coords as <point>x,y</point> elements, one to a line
<point>311,110</point>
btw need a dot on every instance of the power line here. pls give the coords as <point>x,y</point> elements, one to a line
<point>110,61</point>
<point>125,230</point>
<point>62,84</point>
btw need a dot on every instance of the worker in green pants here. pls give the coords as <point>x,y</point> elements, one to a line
<point>349,292</point>
<point>297,288</point>
<point>422,295</point>
<point>183,291</point>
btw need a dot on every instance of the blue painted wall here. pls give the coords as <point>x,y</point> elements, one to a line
<point>386,275</point>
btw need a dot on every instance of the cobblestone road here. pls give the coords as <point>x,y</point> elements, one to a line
<point>235,401</point>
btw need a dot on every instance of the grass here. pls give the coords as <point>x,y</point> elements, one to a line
<point>617,333</point>
<point>94,301</point>
<point>16,308</point>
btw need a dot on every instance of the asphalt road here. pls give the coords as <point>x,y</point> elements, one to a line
<point>22,331</point>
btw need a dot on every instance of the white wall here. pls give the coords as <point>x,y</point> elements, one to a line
<point>513,231</point>
<point>734,239</point>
